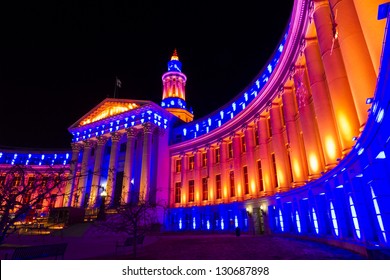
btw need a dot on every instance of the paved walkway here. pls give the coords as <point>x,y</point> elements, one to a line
<point>86,242</point>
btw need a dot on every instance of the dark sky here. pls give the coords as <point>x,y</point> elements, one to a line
<point>59,59</point>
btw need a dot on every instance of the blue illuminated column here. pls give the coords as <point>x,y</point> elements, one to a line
<point>70,185</point>
<point>128,168</point>
<point>146,160</point>
<point>84,173</point>
<point>112,168</point>
<point>94,198</point>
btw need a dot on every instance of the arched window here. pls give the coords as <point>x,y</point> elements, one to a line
<point>334,219</point>
<point>315,221</point>
<point>281,220</point>
<point>378,213</point>
<point>354,217</point>
<point>298,221</point>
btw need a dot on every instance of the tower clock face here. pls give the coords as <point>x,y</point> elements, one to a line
<point>174,66</point>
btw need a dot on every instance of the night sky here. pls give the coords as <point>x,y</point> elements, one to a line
<point>59,59</point>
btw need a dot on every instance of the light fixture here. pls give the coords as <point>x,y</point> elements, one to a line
<point>369,100</point>
<point>354,138</point>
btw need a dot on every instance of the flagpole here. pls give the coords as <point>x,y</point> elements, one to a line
<point>115,84</point>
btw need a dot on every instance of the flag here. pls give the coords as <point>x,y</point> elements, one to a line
<point>118,83</point>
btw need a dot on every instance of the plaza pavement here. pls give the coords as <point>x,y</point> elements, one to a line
<point>86,242</point>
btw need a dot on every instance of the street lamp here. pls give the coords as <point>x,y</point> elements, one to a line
<point>102,212</point>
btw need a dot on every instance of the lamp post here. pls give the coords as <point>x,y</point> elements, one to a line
<point>102,211</point>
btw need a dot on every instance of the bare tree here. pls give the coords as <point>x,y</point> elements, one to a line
<point>23,188</point>
<point>135,219</point>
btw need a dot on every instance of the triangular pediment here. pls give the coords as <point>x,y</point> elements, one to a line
<point>108,108</point>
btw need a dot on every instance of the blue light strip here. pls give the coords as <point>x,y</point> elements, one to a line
<point>229,111</point>
<point>30,158</point>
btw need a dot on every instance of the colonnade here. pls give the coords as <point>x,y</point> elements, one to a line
<point>97,171</point>
<point>308,126</point>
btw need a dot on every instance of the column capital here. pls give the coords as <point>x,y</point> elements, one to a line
<point>76,146</point>
<point>116,136</point>
<point>148,127</point>
<point>88,144</point>
<point>131,132</point>
<point>101,140</point>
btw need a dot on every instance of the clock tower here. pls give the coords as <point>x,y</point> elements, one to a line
<point>174,98</point>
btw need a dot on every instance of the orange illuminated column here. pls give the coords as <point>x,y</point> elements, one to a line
<point>322,104</point>
<point>112,168</point>
<point>357,60</point>
<point>265,155</point>
<point>198,177</point>
<point>224,171</point>
<point>210,174</point>
<point>183,179</point>
<point>146,159</point>
<point>131,133</point>
<point>308,120</point>
<point>372,28</point>
<point>238,180</point>
<point>94,198</point>
<point>279,148</point>
<point>70,185</point>
<point>250,159</point>
<point>84,172</point>
<point>298,164</point>
<point>343,104</point>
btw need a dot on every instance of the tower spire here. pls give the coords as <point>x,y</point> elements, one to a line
<point>174,82</point>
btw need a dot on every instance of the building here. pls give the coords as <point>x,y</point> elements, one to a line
<point>303,150</point>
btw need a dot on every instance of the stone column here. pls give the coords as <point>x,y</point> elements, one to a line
<point>298,162</point>
<point>183,179</point>
<point>279,147</point>
<point>146,158</point>
<point>344,108</point>
<point>309,124</point>
<point>322,104</point>
<point>372,28</point>
<point>81,189</point>
<point>70,185</point>
<point>224,171</point>
<point>238,180</point>
<point>95,187</point>
<point>265,156</point>
<point>129,162</point>
<point>357,61</point>
<point>250,159</point>
<point>210,173</point>
<point>112,168</point>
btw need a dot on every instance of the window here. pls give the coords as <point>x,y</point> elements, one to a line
<point>219,186</point>
<point>257,139</point>
<point>53,199</point>
<point>282,116</point>
<point>334,219</point>
<point>260,173</point>
<point>298,221</point>
<point>191,162</point>
<point>2,180</point>
<point>232,187</point>
<point>217,155</point>
<point>16,181</point>
<point>178,192</point>
<point>30,181</point>
<point>205,189</point>
<point>274,169</point>
<point>315,221</point>
<point>230,150</point>
<point>204,159</point>
<point>269,127</point>
<point>122,148</point>
<point>281,223</point>
<point>246,180</point>
<point>243,144</point>
<point>178,165</point>
<point>191,190</point>
<point>378,214</point>
<point>354,217</point>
